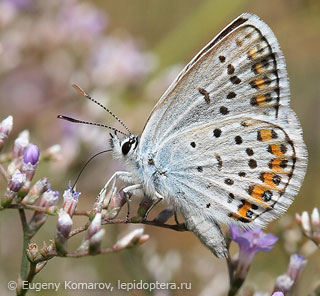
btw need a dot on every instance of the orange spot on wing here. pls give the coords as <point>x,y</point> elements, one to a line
<point>261,99</point>
<point>252,53</point>
<point>260,83</point>
<point>277,164</point>
<point>264,135</point>
<point>267,178</point>
<point>276,149</point>
<point>257,191</point>
<point>244,209</point>
<point>258,68</point>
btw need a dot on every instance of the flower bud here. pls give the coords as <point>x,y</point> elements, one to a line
<point>70,200</point>
<point>31,154</point>
<point>143,239</point>
<point>94,227</point>
<point>297,263</point>
<point>315,219</point>
<point>47,200</point>
<point>95,242</point>
<point>62,233</point>
<point>283,283</point>
<point>305,221</point>
<point>15,183</point>
<point>36,190</point>
<point>32,251</point>
<point>5,129</point>
<point>30,161</point>
<point>20,144</point>
<point>129,240</point>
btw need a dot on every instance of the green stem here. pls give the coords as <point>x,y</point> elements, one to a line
<point>24,261</point>
<point>29,279</point>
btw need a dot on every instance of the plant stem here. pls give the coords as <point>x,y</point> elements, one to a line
<point>4,173</point>
<point>29,278</point>
<point>235,286</point>
<point>26,240</point>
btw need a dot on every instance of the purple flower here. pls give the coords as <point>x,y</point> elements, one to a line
<point>70,200</point>
<point>277,294</point>
<point>17,180</point>
<point>49,198</point>
<point>297,262</point>
<point>250,242</point>
<point>20,144</point>
<point>31,154</point>
<point>285,282</point>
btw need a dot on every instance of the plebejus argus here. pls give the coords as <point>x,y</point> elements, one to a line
<point>222,145</point>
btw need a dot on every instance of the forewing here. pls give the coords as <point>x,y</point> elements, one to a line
<point>241,71</point>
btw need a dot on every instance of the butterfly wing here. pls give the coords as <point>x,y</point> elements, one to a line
<point>240,71</point>
<point>224,135</point>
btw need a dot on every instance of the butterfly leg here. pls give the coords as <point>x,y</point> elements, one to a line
<point>176,218</point>
<point>128,192</point>
<point>159,198</point>
<point>112,181</point>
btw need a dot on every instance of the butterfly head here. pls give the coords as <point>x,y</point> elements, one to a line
<point>124,148</point>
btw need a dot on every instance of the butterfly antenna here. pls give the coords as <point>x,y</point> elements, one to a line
<point>83,93</point>
<point>85,165</point>
<point>91,123</point>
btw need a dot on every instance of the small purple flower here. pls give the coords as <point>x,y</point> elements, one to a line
<point>31,154</point>
<point>70,202</point>
<point>17,181</point>
<point>20,144</point>
<point>49,198</point>
<point>285,282</point>
<point>250,242</point>
<point>297,262</point>
<point>277,294</point>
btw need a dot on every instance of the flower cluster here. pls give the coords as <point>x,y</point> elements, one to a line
<point>25,193</point>
<point>310,228</point>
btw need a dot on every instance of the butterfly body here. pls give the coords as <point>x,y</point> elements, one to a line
<point>222,145</point>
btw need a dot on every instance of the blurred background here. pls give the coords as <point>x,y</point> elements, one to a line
<point>125,54</point>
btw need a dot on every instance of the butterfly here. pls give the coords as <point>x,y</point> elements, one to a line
<point>222,145</point>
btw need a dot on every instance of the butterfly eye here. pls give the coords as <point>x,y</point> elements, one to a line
<point>126,147</point>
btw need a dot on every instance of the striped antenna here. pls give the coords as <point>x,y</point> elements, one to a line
<point>83,93</point>
<point>87,122</point>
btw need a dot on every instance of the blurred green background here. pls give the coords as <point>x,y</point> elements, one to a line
<point>125,54</point>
